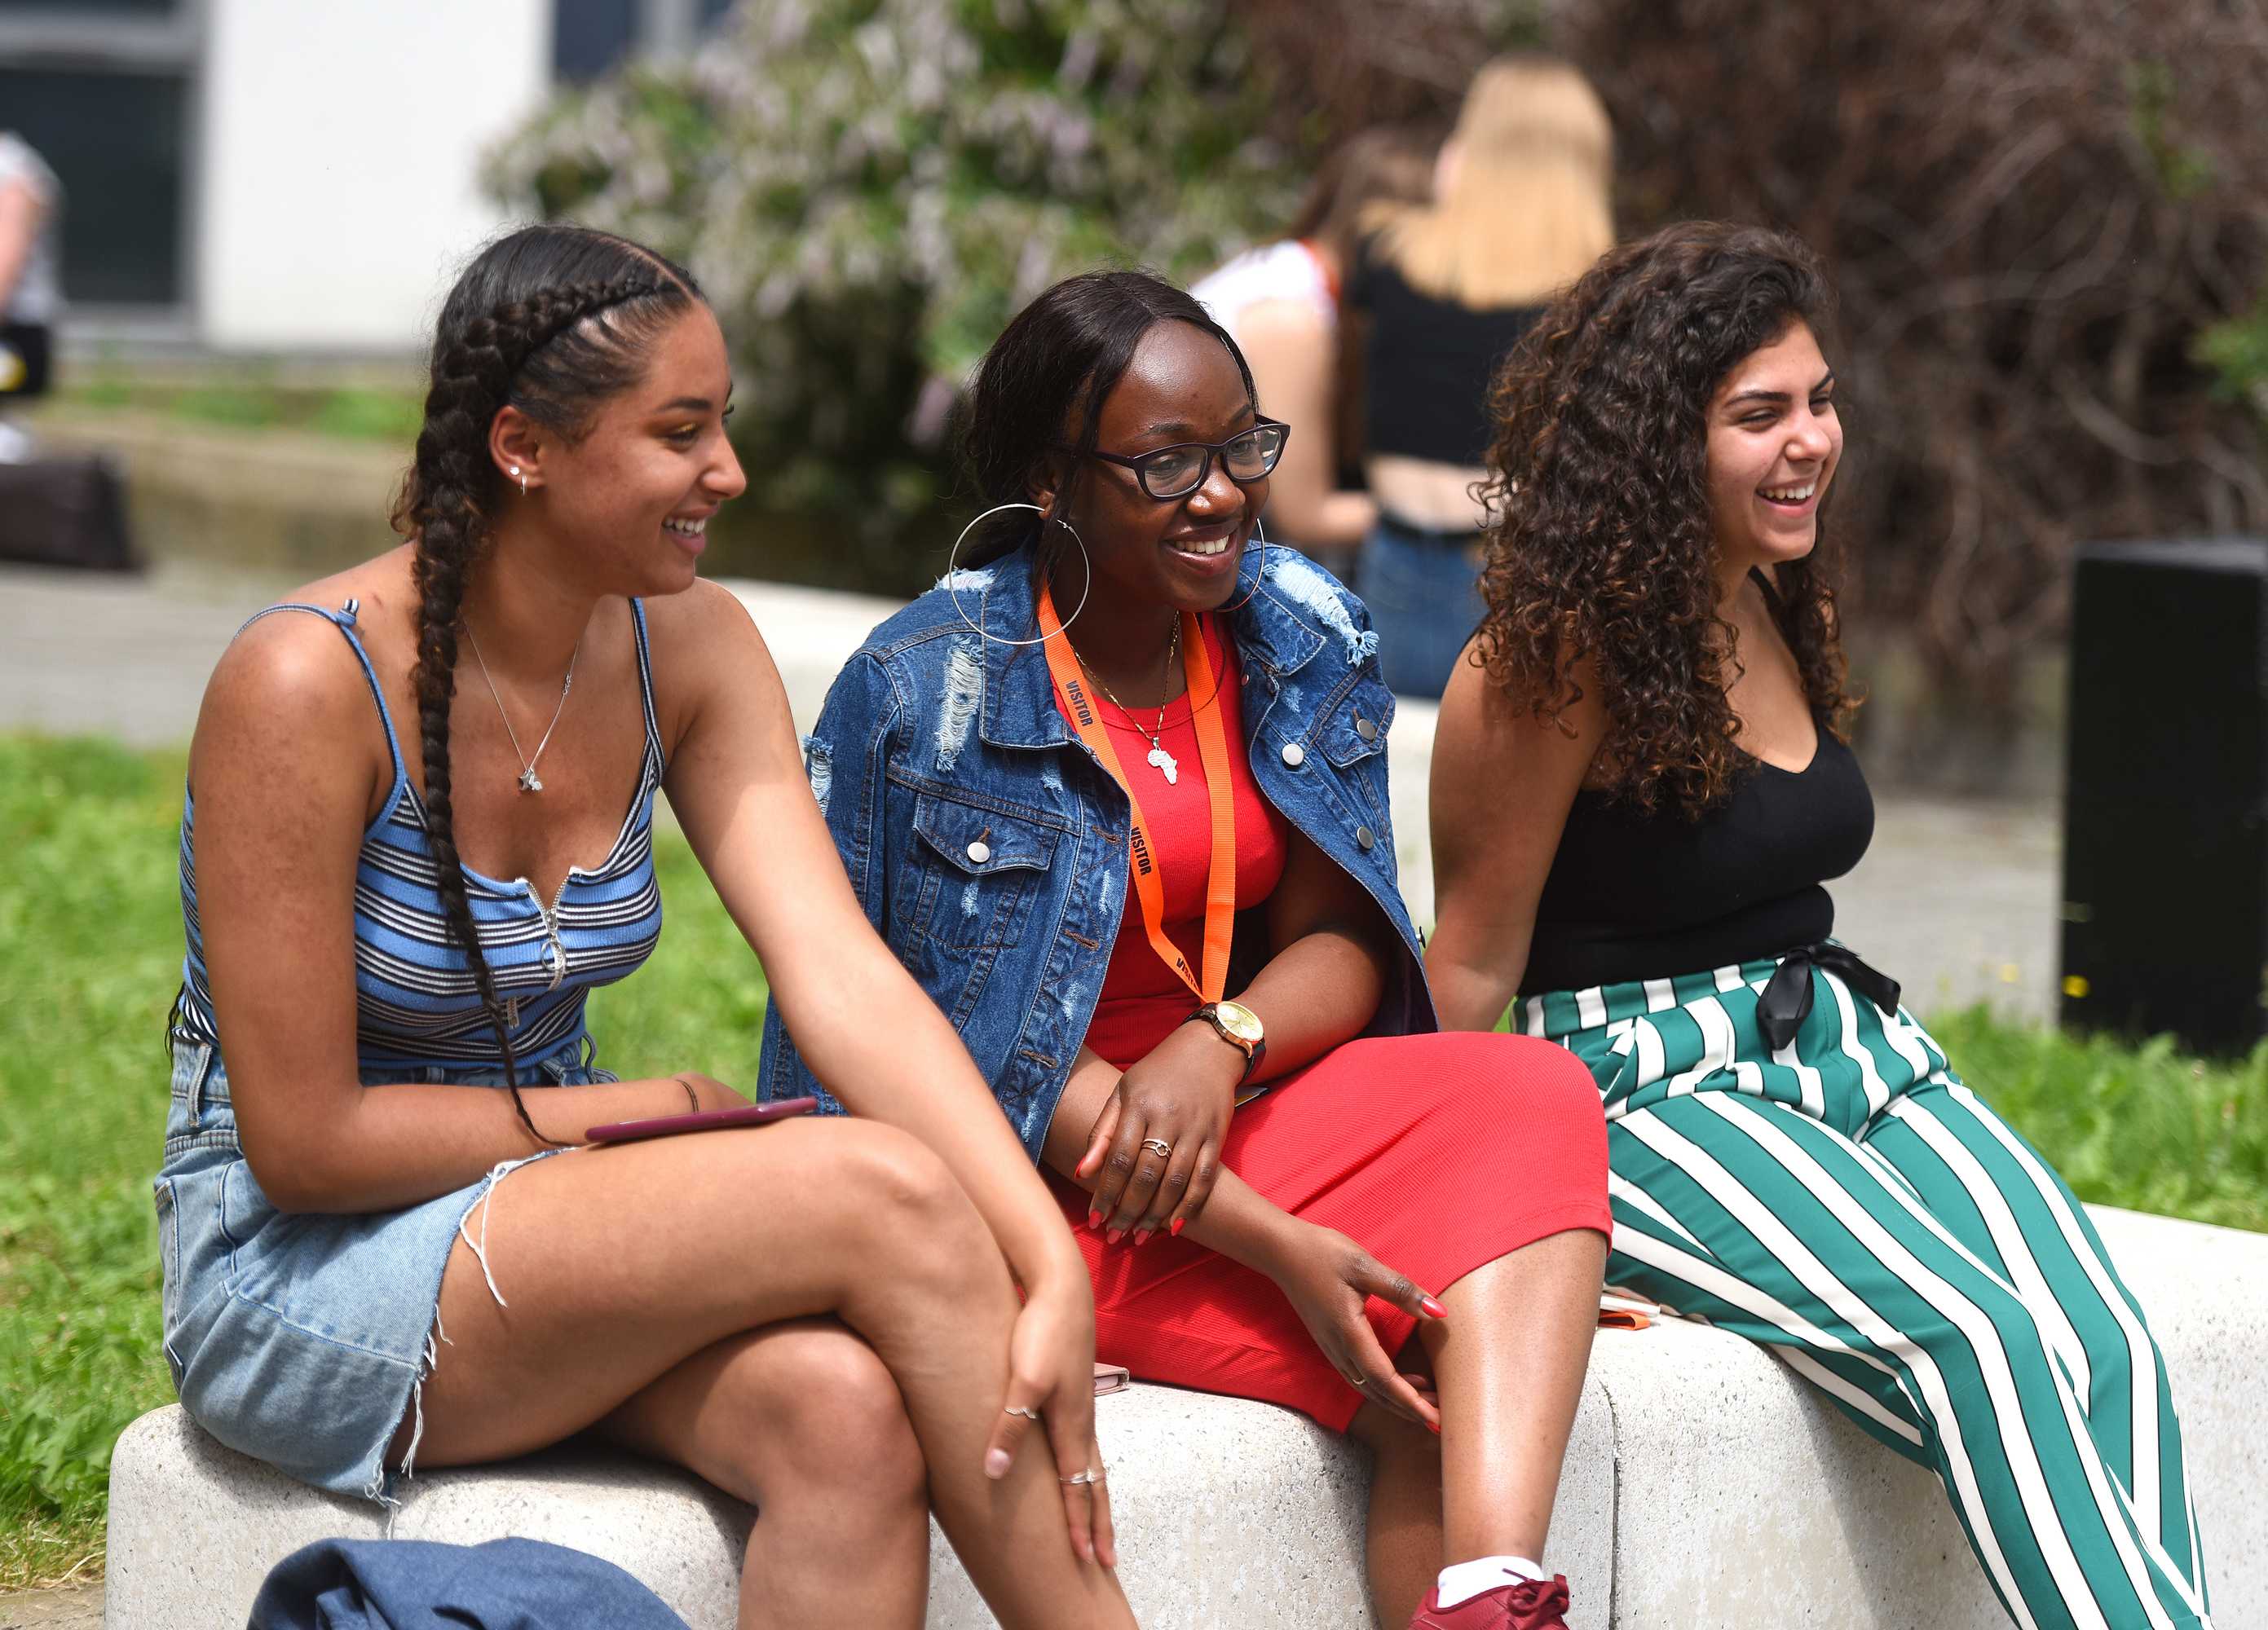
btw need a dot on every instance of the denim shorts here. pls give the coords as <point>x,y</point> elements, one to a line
<point>304,1339</point>
<point>1423,593</point>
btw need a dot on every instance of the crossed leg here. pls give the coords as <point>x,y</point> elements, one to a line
<point>655,1288</point>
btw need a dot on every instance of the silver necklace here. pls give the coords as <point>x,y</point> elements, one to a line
<point>1164,762</point>
<point>529,781</point>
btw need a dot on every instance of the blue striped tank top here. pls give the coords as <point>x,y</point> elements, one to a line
<point>416,1005</point>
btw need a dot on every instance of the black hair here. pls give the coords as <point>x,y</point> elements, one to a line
<point>1041,389</point>
<point>553,320</point>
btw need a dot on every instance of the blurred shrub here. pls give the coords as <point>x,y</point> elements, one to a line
<point>2048,220</point>
<point>870,188</point>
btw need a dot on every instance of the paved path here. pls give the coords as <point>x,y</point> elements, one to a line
<point>78,1607</point>
<point>1958,900</point>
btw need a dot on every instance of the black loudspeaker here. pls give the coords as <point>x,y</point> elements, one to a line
<point>2165,859</point>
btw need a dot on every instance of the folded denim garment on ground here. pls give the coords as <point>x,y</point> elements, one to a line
<point>419,1584</point>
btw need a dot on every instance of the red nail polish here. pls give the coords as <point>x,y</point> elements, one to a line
<point>1113,1236</point>
<point>1142,1238</point>
<point>1432,1307</point>
<point>1434,1427</point>
<point>1094,1218</point>
<point>1175,1227</point>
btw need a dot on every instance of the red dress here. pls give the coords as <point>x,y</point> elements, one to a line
<point>1437,1153</point>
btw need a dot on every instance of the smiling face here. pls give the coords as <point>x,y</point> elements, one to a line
<point>1774,441</point>
<point>1182,385</point>
<point>625,506</point>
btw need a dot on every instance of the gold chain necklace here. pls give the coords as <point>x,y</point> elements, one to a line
<point>1165,763</point>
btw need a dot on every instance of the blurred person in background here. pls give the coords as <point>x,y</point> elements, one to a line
<point>1520,209</point>
<point>1281,302</point>
<point>1641,783</point>
<point>31,292</point>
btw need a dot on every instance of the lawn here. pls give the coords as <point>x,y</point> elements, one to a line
<point>90,949</point>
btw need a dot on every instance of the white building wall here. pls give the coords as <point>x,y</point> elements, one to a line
<point>336,191</point>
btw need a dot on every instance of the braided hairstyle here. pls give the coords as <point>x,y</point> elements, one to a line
<point>1601,546</point>
<point>552,321</point>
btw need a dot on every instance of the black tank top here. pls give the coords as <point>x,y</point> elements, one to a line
<point>1632,896</point>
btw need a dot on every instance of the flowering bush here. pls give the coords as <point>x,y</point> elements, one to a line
<point>868,189</point>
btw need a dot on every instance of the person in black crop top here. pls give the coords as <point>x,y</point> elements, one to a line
<point>1443,293</point>
<point>1641,781</point>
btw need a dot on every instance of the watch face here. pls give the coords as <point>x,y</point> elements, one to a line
<point>1240,1021</point>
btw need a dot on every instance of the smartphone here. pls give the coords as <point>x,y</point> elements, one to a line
<point>669,1126</point>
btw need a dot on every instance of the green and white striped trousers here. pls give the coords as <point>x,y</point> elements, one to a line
<point>1847,1200</point>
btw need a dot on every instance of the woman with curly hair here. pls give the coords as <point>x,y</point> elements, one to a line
<point>1641,780</point>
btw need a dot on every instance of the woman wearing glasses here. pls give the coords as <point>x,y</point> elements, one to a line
<point>1126,765</point>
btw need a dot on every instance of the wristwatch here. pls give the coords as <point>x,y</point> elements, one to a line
<point>1239,1026</point>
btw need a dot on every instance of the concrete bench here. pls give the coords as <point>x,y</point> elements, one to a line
<point>1705,1486</point>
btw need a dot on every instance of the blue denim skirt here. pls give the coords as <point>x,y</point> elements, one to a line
<point>304,1339</point>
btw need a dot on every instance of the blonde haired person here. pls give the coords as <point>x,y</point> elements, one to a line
<point>1281,302</point>
<point>1520,211</point>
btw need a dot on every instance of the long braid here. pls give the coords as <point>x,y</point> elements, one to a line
<point>443,506</point>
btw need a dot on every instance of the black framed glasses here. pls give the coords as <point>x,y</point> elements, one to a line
<point>1175,471</point>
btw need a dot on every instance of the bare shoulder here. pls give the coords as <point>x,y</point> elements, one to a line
<point>700,639</point>
<point>705,650</point>
<point>707,611</point>
<point>1279,320</point>
<point>290,686</point>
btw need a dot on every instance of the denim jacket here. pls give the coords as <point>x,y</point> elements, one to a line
<point>988,844</point>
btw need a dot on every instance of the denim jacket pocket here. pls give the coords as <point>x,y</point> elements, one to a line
<point>970,875</point>
<point>1352,737</point>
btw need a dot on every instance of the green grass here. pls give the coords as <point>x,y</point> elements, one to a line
<point>241,399</point>
<point>90,949</point>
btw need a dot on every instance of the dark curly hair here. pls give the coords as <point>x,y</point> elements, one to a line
<point>1600,546</point>
<point>552,321</point>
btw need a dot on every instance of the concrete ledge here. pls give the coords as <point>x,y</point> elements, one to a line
<point>1230,1513</point>
<point>1706,1486</point>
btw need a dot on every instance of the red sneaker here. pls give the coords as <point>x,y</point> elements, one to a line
<point>1523,1605</point>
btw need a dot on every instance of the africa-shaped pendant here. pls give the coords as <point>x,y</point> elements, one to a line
<point>1166,763</point>
<point>529,782</point>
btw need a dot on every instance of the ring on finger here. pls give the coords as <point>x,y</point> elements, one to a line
<point>1358,1382</point>
<point>1160,1147</point>
<point>1018,1409</point>
<point>1092,1474</point>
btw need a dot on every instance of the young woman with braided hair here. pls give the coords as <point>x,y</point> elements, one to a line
<point>371,1259</point>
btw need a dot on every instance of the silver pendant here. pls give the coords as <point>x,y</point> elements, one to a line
<point>529,782</point>
<point>1166,764</point>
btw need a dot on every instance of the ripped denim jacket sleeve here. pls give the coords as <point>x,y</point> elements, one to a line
<point>845,756</point>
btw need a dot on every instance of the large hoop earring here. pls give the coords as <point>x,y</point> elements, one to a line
<point>952,556</point>
<point>1261,533</point>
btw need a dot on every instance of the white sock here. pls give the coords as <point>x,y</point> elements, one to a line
<point>1462,1581</point>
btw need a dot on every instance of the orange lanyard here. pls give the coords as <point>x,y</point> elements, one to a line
<point>1212,752</point>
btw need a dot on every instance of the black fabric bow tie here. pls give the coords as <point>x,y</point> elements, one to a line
<point>1786,999</point>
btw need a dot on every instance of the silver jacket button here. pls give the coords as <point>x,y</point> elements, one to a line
<point>1364,838</point>
<point>1294,754</point>
<point>1364,729</point>
<point>979,852</point>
